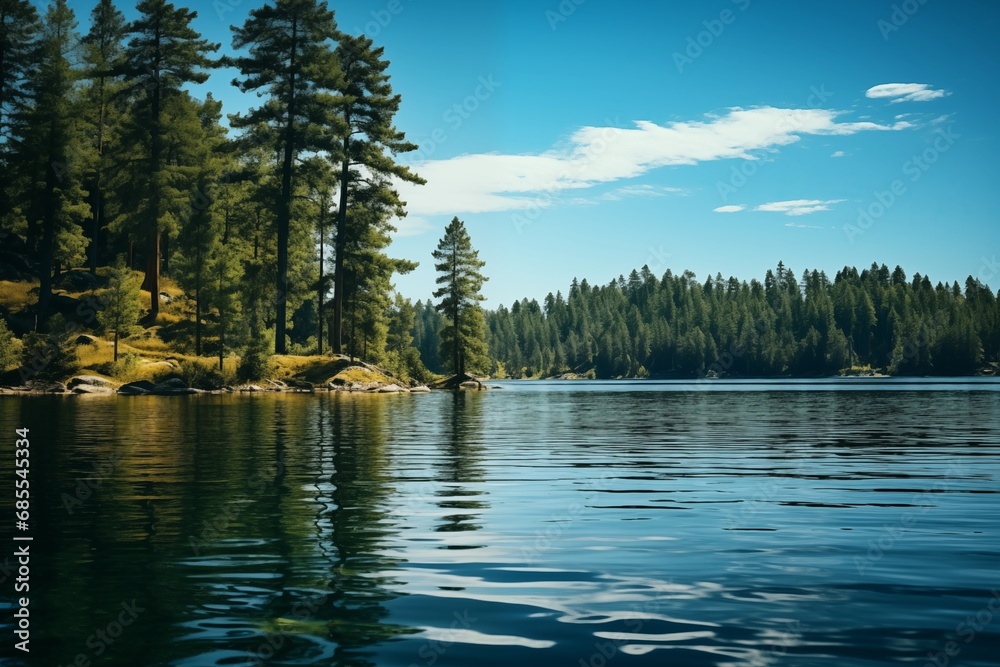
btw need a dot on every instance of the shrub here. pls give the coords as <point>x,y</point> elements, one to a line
<point>256,364</point>
<point>8,346</point>
<point>201,375</point>
<point>50,356</point>
<point>126,366</point>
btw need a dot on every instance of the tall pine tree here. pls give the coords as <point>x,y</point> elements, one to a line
<point>164,53</point>
<point>463,339</point>
<point>290,56</point>
<point>366,108</point>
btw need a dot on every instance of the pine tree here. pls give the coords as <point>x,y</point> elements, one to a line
<point>103,50</point>
<point>201,224</point>
<point>19,26</point>
<point>365,107</point>
<point>164,53</point>
<point>463,340</point>
<point>290,56</point>
<point>121,309</point>
<point>49,141</point>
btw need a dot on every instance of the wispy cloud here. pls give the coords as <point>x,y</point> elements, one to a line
<point>729,208</point>
<point>905,92</point>
<point>838,154</point>
<point>641,191</point>
<point>490,182</point>
<point>798,226</point>
<point>412,225</point>
<point>798,206</point>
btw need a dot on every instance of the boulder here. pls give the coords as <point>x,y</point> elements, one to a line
<point>171,383</point>
<point>51,388</point>
<point>420,390</point>
<point>92,389</point>
<point>91,380</point>
<point>136,388</point>
<point>77,281</point>
<point>390,389</point>
<point>85,339</point>
<point>175,391</point>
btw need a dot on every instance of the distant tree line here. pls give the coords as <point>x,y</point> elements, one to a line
<point>676,326</point>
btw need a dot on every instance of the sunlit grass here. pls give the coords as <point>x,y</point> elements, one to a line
<point>15,296</point>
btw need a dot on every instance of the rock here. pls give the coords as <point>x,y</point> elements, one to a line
<point>91,380</point>
<point>165,298</point>
<point>175,391</point>
<point>137,388</point>
<point>84,339</point>
<point>251,388</point>
<point>471,384</point>
<point>77,281</point>
<point>92,389</point>
<point>390,389</point>
<point>420,390</point>
<point>302,385</point>
<point>171,383</point>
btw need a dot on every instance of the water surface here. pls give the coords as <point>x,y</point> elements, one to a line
<point>564,523</point>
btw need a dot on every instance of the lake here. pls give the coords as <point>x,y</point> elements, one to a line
<point>845,522</point>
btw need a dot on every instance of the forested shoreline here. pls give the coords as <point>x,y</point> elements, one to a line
<point>677,326</point>
<point>130,209</point>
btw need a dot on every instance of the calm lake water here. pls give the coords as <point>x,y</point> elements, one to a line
<point>598,523</point>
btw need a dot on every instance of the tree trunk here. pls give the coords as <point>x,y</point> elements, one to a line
<point>336,341</point>
<point>222,339</point>
<point>197,318</point>
<point>47,248</point>
<point>116,345</point>
<point>285,204</point>
<point>319,336</point>
<point>97,212</point>
<point>165,254</point>
<point>152,279</point>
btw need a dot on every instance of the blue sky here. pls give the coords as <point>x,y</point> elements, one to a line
<point>588,138</point>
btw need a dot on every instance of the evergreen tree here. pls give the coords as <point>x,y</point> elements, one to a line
<point>163,54</point>
<point>463,340</point>
<point>19,26</point>
<point>122,309</point>
<point>103,51</point>
<point>49,140</point>
<point>365,107</point>
<point>290,57</point>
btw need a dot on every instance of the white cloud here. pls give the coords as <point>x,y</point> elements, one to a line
<point>798,226</point>
<point>838,154</point>
<point>729,208</point>
<point>491,182</point>
<point>798,206</point>
<point>641,191</point>
<point>905,92</point>
<point>412,225</point>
